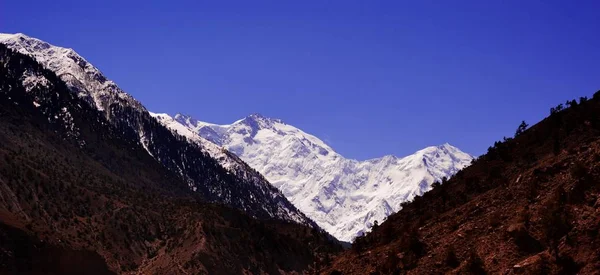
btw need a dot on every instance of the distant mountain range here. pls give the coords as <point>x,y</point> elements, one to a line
<point>344,196</point>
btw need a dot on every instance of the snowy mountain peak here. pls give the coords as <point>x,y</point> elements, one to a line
<point>435,151</point>
<point>343,196</point>
<point>257,116</point>
<point>21,36</point>
<point>185,119</point>
<point>258,121</point>
<point>263,119</point>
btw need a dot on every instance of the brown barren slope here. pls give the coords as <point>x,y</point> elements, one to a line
<point>531,205</point>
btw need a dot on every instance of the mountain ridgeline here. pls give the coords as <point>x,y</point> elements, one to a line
<point>75,179</point>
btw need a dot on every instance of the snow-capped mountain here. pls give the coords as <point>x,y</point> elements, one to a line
<point>343,196</point>
<point>236,184</point>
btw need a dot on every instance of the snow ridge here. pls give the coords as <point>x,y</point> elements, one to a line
<point>343,196</point>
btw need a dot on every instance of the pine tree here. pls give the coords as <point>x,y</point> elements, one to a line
<point>522,127</point>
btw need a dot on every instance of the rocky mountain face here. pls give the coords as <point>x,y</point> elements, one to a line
<point>343,196</point>
<point>242,188</point>
<point>80,193</point>
<point>528,206</point>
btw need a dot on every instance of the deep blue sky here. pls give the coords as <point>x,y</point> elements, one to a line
<point>369,77</point>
